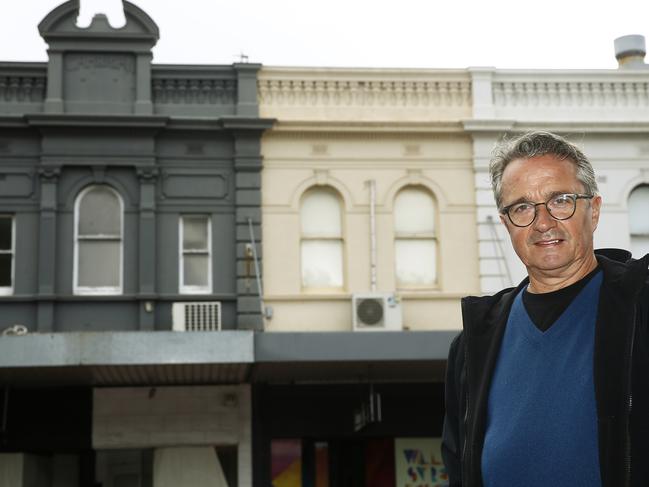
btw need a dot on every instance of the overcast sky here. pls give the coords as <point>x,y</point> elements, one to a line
<point>363,33</point>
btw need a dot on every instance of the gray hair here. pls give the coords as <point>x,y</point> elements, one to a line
<point>535,144</point>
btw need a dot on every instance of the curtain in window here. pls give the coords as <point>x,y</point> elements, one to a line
<point>415,242</point>
<point>639,220</point>
<point>321,239</point>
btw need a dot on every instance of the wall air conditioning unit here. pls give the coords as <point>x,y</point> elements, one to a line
<point>196,316</point>
<point>376,312</point>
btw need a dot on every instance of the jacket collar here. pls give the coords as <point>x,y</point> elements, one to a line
<point>621,272</point>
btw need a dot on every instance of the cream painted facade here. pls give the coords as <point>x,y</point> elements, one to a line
<point>344,129</point>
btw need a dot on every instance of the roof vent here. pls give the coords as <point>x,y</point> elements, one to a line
<point>630,52</point>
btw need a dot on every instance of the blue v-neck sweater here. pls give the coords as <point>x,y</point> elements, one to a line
<point>541,416</point>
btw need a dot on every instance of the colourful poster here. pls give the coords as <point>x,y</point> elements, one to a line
<point>419,462</point>
<point>286,463</point>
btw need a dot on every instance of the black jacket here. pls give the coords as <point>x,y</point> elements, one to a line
<point>621,375</point>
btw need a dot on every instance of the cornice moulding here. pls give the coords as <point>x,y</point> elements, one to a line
<point>496,126</point>
<point>334,127</point>
<point>76,120</point>
<point>282,72</point>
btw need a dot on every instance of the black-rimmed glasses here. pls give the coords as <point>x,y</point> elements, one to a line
<point>560,207</point>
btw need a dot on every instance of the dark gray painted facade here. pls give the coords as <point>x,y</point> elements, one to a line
<point>169,140</point>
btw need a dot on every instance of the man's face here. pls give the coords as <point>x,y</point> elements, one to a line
<point>549,247</point>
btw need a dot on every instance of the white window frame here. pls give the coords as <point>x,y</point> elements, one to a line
<point>98,290</point>
<point>9,290</point>
<point>187,289</point>
<point>324,237</point>
<point>414,236</point>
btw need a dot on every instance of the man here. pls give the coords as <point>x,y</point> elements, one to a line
<point>548,384</point>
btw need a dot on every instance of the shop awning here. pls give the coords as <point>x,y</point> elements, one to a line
<point>225,357</point>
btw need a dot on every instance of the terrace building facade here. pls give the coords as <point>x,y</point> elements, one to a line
<point>130,206</point>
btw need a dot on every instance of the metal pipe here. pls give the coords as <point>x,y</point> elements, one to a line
<point>372,184</point>
<point>257,272</point>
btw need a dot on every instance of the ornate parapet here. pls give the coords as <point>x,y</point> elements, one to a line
<point>189,90</point>
<point>22,87</point>
<point>193,91</point>
<point>364,94</point>
<point>558,95</point>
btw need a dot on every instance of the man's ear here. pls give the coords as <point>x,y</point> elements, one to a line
<point>596,206</point>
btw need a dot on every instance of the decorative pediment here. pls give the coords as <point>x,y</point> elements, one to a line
<point>60,26</point>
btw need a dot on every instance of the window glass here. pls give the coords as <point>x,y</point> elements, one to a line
<point>322,243</point>
<point>322,263</point>
<point>5,270</point>
<point>415,245</point>
<point>99,263</point>
<point>415,262</point>
<point>414,212</point>
<point>195,271</point>
<point>195,254</point>
<point>100,213</point>
<point>98,243</point>
<point>195,233</point>
<point>5,233</point>
<point>639,211</point>
<point>6,254</point>
<point>320,214</point>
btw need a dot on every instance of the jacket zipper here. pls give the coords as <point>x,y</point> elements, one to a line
<point>627,456</point>
<point>465,465</point>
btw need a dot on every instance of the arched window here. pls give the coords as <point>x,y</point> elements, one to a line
<point>639,220</point>
<point>98,228</point>
<point>415,243</point>
<point>321,239</point>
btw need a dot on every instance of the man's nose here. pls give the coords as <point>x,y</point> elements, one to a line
<point>543,220</point>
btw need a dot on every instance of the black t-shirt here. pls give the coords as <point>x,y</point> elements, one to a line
<point>545,308</point>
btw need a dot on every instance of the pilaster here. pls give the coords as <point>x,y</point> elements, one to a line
<point>54,96</point>
<point>247,165</point>
<point>47,247</point>
<point>143,103</point>
<point>247,105</point>
<point>147,245</point>
<point>483,103</point>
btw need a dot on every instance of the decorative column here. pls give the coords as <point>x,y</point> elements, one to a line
<point>49,177</point>
<point>147,246</point>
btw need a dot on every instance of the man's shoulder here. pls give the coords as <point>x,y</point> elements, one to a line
<point>481,313</point>
<point>620,269</point>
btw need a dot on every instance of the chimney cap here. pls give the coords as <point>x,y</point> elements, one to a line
<point>630,45</point>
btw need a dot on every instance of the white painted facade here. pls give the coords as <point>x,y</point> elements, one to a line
<point>605,112</point>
